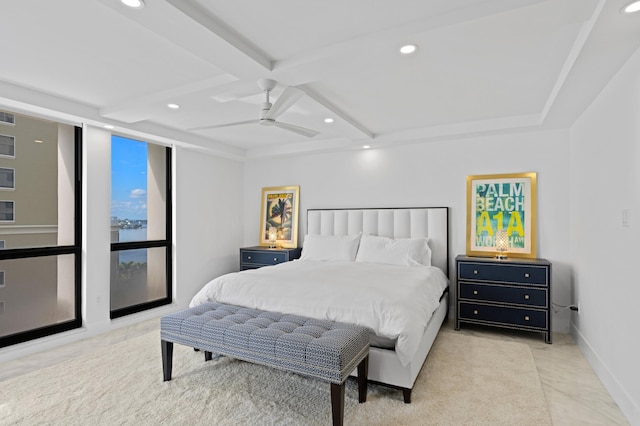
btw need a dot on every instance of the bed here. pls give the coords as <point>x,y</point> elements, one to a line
<point>383,268</point>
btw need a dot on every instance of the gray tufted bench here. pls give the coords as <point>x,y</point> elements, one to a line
<point>322,349</point>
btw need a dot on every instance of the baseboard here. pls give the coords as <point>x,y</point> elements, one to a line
<point>621,397</point>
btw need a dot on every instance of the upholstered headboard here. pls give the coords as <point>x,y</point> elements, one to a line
<point>432,222</point>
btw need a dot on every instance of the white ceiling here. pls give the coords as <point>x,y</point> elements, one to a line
<point>481,66</point>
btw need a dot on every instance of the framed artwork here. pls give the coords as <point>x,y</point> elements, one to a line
<point>499,204</point>
<point>279,216</point>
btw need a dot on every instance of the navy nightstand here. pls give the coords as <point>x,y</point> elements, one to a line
<point>511,293</point>
<point>257,257</point>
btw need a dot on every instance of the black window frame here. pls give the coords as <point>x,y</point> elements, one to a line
<point>167,243</point>
<point>75,249</point>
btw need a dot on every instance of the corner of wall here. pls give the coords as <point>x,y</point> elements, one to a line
<point>615,389</point>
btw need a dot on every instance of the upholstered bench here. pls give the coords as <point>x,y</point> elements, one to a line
<point>322,349</point>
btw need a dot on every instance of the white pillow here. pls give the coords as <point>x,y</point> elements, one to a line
<point>419,252</point>
<point>330,247</point>
<point>398,251</point>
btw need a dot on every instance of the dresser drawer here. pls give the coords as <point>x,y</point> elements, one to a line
<point>263,258</point>
<point>504,294</point>
<point>507,273</point>
<point>502,315</point>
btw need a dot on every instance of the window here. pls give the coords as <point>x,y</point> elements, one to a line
<point>7,178</point>
<point>7,211</point>
<point>41,230</point>
<point>1,244</point>
<point>7,118</point>
<point>140,226</point>
<point>7,146</point>
<point>2,284</point>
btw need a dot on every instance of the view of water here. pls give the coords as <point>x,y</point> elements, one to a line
<point>127,235</point>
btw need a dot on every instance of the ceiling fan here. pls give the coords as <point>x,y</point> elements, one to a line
<point>269,112</point>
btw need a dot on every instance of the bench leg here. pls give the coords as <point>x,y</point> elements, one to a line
<point>337,403</point>
<point>363,373</point>
<point>167,359</point>
<point>208,356</point>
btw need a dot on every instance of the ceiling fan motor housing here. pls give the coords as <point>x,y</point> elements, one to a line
<point>266,106</point>
<point>266,84</point>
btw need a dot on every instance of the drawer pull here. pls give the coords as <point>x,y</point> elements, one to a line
<point>275,259</point>
<point>475,291</point>
<point>475,272</point>
<point>526,297</point>
<point>526,275</point>
<point>475,312</point>
<point>249,257</point>
<point>526,318</point>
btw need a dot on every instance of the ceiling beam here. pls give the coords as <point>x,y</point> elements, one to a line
<point>202,16</point>
<point>334,109</point>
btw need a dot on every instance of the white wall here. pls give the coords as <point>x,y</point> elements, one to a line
<point>430,174</point>
<point>96,227</point>
<point>209,218</point>
<point>605,180</point>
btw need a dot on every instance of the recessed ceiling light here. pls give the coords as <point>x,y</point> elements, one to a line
<point>38,141</point>
<point>408,49</point>
<point>366,146</point>
<point>634,6</point>
<point>108,126</point>
<point>328,120</point>
<point>173,106</point>
<point>134,4</point>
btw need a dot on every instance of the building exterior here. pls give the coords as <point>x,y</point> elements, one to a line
<point>31,294</point>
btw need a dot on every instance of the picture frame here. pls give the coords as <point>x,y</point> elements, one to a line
<point>279,209</point>
<point>502,201</point>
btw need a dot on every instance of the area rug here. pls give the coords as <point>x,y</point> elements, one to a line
<point>466,380</point>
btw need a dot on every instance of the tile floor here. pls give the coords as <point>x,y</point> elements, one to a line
<point>574,394</point>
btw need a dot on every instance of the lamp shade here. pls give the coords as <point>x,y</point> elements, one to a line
<point>273,235</point>
<point>502,242</point>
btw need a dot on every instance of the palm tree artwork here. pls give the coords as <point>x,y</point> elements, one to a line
<point>280,212</point>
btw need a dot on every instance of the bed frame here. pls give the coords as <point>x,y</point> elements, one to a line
<point>432,222</point>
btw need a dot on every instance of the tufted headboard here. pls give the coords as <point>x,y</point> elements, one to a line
<point>432,222</point>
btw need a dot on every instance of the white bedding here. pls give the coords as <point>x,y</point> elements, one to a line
<point>394,301</point>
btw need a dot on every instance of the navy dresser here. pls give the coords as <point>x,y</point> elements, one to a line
<point>257,257</point>
<point>511,293</point>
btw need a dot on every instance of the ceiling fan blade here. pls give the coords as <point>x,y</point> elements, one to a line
<point>289,96</point>
<point>216,126</point>
<point>296,129</point>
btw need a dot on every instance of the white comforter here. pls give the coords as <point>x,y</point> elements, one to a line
<point>393,301</point>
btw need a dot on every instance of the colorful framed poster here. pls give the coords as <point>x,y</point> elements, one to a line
<point>501,202</point>
<point>279,210</point>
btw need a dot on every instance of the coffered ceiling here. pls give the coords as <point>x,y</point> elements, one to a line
<point>480,66</point>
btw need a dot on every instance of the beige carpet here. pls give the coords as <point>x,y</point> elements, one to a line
<point>466,381</point>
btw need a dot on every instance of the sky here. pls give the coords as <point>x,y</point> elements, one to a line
<point>128,178</point>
